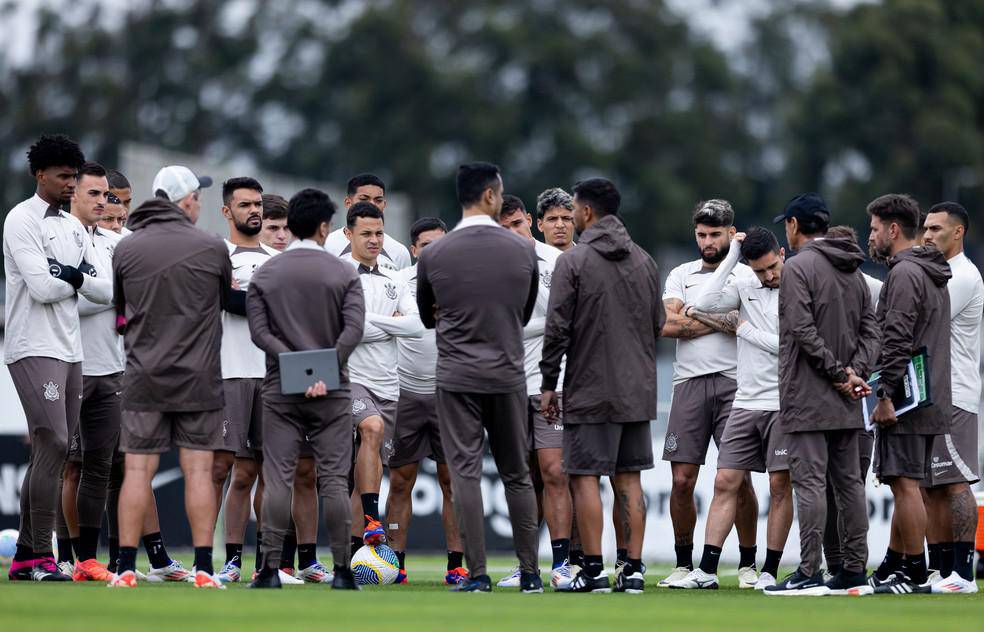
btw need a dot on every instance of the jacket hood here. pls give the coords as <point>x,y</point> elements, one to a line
<point>609,237</point>
<point>930,260</point>
<point>155,210</point>
<point>843,254</point>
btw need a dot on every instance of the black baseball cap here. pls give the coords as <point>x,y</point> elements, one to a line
<point>804,206</point>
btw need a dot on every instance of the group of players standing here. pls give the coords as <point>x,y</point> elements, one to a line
<point>201,374</point>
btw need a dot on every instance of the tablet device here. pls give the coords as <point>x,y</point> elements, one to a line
<point>299,370</point>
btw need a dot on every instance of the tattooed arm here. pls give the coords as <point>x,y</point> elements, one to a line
<point>726,323</point>
<point>680,326</point>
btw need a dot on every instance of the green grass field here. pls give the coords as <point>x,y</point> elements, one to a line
<point>426,604</point>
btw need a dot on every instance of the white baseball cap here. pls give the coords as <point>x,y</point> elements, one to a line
<point>177,182</point>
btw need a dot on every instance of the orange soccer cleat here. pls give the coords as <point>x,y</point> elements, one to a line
<point>91,570</point>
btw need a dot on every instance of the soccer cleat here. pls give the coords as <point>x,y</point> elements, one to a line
<point>827,575</point>
<point>844,582</point>
<point>127,579</point>
<point>287,569</point>
<point>678,573</point>
<point>874,581</point>
<point>173,572</point>
<point>140,576</point>
<point>374,533</point>
<point>230,572</point>
<point>799,585</point>
<point>530,583</point>
<point>20,571</point>
<point>584,583</point>
<point>91,571</point>
<point>45,570</point>
<point>696,580</point>
<point>455,576</point>
<point>316,573</point>
<point>954,584</point>
<point>747,577</point>
<point>562,576</point>
<point>933,577</point>
<point>344,579</point>
<point>900,584</point>
<point>266,578</point>
<point>289,580</point>
<point>511,580</point>
<point>204,580</point>
<point>67,568</point>
<point>633,583</point>
<point>764,581</point>
<point>401,577</point>
<point>477,584</point>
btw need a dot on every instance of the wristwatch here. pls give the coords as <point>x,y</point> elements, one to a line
<point>881,394</point>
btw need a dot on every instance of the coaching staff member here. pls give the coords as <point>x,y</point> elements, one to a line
<point>605,310</point>
<point>828,341</point>
<point>477,287</point>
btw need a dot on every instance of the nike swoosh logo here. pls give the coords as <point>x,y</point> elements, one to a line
<point>690,286</point>
<point>750,299</point>
<point>166,477</point>
<point>792,585</point>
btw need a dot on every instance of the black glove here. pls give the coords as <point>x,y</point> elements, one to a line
<point>68,274</point>
<point>87,268</point>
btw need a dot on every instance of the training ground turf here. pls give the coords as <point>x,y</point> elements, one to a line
<point>425,604</point>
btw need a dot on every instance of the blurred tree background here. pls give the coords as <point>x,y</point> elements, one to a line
<point>852,102</point>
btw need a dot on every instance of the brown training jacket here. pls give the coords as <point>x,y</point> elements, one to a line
<point>170,280</point>
<point>605,313</point>
<point>826,324</point>
<point>914,312</point>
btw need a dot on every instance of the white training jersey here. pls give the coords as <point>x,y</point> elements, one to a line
<point>42,316</point>
<point>394,255</point>
<point>758,336</point>
<point>966,310</point>
<point>417,357</point>
<point>874,288</point>
<point>102,346</point>
<point>713,353</point>
<point>240,357</point>
<point>546,259</point>
<point>373,363</point>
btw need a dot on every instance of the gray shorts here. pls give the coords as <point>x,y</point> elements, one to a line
<point>753,441</point>
<point>954,458</point>
<point>698,413</point>
<point>101,415</point>
<point>545,435</point>
<point>607,449</point>
<point>242,425</point>
<point>50,392</point>
<point>417,435</point>
<point>156,432</point>
<point>902,455</point>
<point>367,404</point>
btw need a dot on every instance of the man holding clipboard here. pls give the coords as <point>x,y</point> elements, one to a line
<point>306,311</point>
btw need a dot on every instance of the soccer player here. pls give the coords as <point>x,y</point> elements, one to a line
<point>703,388</point>
<point>912,312</point>
<point>417,435</point>
<point>114,215</point>
<point>824,359</point>
<point>390,313</point>
<point>555,218</point>
<point>275,233</point>
<point>171,283</point>
<point>370,189</point>
<point>478,287</point>
<point>547,438</point>
<point>608,280</point>
<point>120,187</point>
<point>301,300</point>
<point>753,439</point>
<point>952,518</point>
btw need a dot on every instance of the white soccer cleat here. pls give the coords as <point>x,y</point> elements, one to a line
<point>562,576</point>
<point>747,577</point>
<point>954,584</point>
<point>124,580</point>
<point>204,580</point>
<point>696,580</point>
<point>229,573</point>
<point>289,580</point>
<point>680,572</point>
<point>511,580</point>
<point>764,581</point>
<point>934,577</point>
<point>140,576</point>
<point>66,568</point>
<point>316,573</point>
<point>173,572</point>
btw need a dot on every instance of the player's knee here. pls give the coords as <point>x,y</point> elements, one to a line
<point>220,470</point>
<point>400,484</point>
<point>780,488</point>
<point>726,483</point>
<point>683,483</point>
<point>243,479</point>
<point>371,431</point>
<point>553,475</point>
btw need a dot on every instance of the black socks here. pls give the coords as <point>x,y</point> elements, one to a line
<point>685,555</point>
<point>771,565</point>
<point>289,551</point>
<point>891,563</point>
<point>128,559</point>
<point>593,565</point>
<point>154,544</point>
<point>234,554</point>
<point>455,560</point>
<point>88,543</point>
<point>307,554</point>
<point>370,505</point>
<point>561,549</point>
<point>65,550</point>
<point>203,559</point>
<point>747,554</point>
<point>710,559</point>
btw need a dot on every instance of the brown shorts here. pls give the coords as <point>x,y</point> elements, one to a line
<point>50,392</point>
<point>367,404</point>
<point>101,415</point>
<point>606,449</point>
<point>417,435</point>
<point>902,455</point>
<point>156,432</point>
<point>242,425</point>
<point>545,435</point>
<point>753,441</point>
<point>698,413</point>
<point>318,426</point>
<point>954,458</point>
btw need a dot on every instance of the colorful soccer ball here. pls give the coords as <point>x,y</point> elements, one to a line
<point>375,565</point>
<point>8,546</point>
